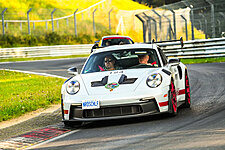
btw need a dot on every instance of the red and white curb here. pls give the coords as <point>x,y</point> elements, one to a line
<point>32,138</point>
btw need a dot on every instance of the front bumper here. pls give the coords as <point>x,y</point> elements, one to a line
<point>114,111</point>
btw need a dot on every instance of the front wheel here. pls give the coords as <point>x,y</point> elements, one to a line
<point>172,99</point>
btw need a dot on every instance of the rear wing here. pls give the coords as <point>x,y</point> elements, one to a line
<point>155,42</point>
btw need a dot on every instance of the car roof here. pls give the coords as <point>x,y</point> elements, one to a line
<point>111,36</point>
<point>125,46</point>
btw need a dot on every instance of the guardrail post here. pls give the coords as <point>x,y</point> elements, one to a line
<point>206,25</point>
<point>174,23</point>
<point>52,19</point>
<point>169,28</point>
<point>94,28</point>
<point>75,22</point>
<point>212,18</point>
<point>192,18</point>
<point>144,28</point>
<point>160,23</point>
<point>110,20</point>
<point>3,24</point>
<point>186,29</point>
<point>28,20</point>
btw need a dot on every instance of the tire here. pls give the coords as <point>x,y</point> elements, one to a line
<point>187,103</point>
<point>172,99</point>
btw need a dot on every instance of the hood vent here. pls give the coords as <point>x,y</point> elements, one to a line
<point>124,80</point>
<point>103,82</point>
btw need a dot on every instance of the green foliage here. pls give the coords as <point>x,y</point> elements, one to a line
<point>21,93</point>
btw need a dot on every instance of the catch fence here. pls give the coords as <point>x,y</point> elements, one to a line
<point>191,19</point>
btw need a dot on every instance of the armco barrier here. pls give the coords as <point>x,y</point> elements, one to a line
<point>43,51</point>
<point>191,49</point>
<point>195,48</point>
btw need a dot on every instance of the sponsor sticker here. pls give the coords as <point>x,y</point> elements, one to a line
<point>112,86</point>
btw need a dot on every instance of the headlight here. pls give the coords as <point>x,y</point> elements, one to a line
<point>154,80</point>
<point>72,87</point>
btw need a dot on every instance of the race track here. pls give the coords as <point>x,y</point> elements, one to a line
<point>201,127</point>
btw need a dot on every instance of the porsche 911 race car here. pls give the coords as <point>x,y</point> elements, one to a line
<point>115,83</point>
<point>112,40</point>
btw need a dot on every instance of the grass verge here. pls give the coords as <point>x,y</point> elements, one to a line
<point>203,60</point>
<point>21,93</point>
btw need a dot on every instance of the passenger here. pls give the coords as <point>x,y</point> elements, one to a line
<point>143,62</point>
<point>143,59</point>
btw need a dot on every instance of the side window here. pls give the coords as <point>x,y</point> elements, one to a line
<point>163,56</point>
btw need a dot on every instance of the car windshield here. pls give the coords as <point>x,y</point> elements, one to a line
<point>121,59</point>
<point>116,41</point>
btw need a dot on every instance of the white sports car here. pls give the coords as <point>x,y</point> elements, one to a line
<point>115,82</point>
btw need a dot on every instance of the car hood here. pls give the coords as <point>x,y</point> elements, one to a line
<point>115,82</point>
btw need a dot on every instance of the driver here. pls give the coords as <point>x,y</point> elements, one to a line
<point>109,64</point>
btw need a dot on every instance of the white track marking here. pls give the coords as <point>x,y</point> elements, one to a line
<point>36,73</point>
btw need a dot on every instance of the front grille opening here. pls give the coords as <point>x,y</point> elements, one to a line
<point>112,111</point>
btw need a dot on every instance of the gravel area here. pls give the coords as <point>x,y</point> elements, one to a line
<point>30,122</point>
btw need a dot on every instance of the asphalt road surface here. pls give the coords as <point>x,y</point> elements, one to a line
<point>201,127</point>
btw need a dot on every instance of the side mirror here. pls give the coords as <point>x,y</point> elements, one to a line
<point>173,60</point>
<point>73,71</point>
<point>95,46</point>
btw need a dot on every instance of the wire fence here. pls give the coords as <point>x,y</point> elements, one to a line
<point>190,19</point>
<point>37,21</point>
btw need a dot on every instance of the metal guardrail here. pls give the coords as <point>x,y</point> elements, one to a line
<point>191,49</point>
<point>195,48</point>
<point>45,51</point>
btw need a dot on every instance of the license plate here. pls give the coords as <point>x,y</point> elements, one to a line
<point>90,104</point>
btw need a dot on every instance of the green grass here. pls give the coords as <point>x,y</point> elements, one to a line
<point>21,93</point>
<point>203,60</point>
<point>41,58</point>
